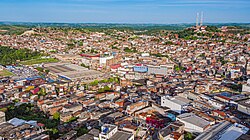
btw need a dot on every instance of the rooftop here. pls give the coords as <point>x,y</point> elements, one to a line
<point>245,102</point>
<point>121,135</point>
<point>193,119</point>
<point>223,131</point>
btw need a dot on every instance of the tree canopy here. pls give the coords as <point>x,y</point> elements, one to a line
<point>10,55</point>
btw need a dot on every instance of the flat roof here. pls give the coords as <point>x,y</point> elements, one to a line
<point>121,135</point>
<point>181,100</point>
<point>245,102</point>
<point>72,71</point>
<point>86,137</point>
<point>193,119</point>
<point>213,131</point>
<point>223,131</point>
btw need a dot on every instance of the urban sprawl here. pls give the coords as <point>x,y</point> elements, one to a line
<point>110,84</point>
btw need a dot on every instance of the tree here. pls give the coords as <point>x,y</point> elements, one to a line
<point>9,55</point>
<point>39,69</point>
<point>188,136</point>
<point>56,116</point>
<point>81,131</point>
<point>94,83</point>
<point>46,71</point>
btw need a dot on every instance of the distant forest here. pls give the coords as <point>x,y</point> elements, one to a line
<point>19,27</point>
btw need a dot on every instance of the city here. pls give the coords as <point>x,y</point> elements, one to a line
<point>100,81</point>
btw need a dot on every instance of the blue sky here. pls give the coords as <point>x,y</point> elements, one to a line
<point>124,11</point>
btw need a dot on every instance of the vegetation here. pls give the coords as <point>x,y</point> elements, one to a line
<point>94,83</point>
<point>81,131</point>
<point>5,73</point>
<point>188,136</point>
<point>12,29</point>
<point>128,50</point>
<point>222,60</point>
<point>30,112</point>
<point>10,56</point>
<point>185,33</point>
<point>212,29</point>
<point>179,68</point>
<point>56,116</point>
<point>114,47</point>
<point>104,89</point>
<point>72,119</point>
<point>83,65</point>
<point>39,61</point>
<point>160,55</point>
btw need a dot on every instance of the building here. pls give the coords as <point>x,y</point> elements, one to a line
<point>68,136</point>
<point>177,103</point>
<point>244,106</point>
<point>248,68</point>
<point>246,87</point>
<point>173,131</point>
<point>66,116</point>
<point>107,131</point>
<point>72,72</point>
<point>193,123</point>
<point>111,132</point>
<point>73,107</point>
<point>161,70</point>
<point>223,131</point>
<point>142,69</point>
<point>136,106</point>
<point>2,117</point>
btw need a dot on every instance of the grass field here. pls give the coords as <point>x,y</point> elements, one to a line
<point>39,61</point>
<point>5,73</point>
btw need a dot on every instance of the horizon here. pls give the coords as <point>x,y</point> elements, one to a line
<point>187,23</point>
<point>124,11</point>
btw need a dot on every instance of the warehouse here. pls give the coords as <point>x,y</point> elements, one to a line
<point>72,72</point>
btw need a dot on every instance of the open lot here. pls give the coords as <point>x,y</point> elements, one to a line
<point>39,61</point>
<point>5,73</point>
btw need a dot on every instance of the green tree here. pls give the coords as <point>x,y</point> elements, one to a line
<point>56,116</point>
<point>188,136</point>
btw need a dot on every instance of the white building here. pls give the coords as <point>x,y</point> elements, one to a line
<point>177,103</point>
<point>216,104</point>
<point>103,60</point>
<point>193,123</point>
<point>162,70</point>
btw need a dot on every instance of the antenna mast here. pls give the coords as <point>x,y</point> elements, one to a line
<point>197,20</point>
<point>201,22</point>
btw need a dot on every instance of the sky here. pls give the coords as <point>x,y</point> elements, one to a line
<point>125,11</point>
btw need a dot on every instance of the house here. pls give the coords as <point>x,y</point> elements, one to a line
<point>69,135</point>
<point>136,106</point>
<point>216,104</point>
<point>66,116</point>
<point>93,134</point>
<point>173,131</point>
<point>72,107</point>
